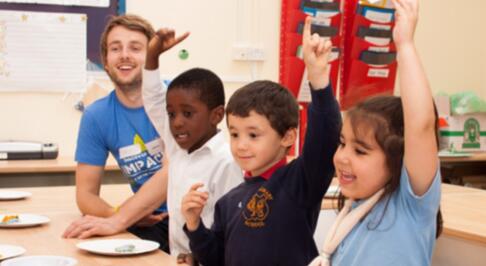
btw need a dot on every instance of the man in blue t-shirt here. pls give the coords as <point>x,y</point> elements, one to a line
<point>118,124</point>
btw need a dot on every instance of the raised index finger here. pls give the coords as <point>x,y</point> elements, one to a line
<point>306,34</point>
<point>181,38</point>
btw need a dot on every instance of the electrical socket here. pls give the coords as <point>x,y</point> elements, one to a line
<point>248,53</point>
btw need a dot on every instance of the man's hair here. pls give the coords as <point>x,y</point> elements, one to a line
<point>269,99</point>
<point>128,21</point>
<point>205,83</point>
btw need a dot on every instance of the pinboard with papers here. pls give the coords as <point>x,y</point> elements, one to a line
<point>43,39</point>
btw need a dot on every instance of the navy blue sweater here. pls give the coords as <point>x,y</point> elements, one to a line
<point>272,222</point>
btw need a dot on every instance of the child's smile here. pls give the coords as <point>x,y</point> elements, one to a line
<point>255,145</point>
<point>360,162</point>
<point>345,178</point>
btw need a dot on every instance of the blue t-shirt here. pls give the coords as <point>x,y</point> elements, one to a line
<point>127,133</point>
<point>405,236</point>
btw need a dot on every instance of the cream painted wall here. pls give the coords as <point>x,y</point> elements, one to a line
<point>46,117</point>
<point>450,39</point>
<point>214,33</point>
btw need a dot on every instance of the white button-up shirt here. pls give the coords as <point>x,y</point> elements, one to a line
<point>212,164</point>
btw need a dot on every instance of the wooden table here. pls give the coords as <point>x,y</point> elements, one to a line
<point>463,170</point>
<point>59,165</point>
<point>464,212</point>
<point>58,203</point>
<point>56,172</point>
<point>475,157</point>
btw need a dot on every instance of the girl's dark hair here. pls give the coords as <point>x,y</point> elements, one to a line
<point>383,115</point>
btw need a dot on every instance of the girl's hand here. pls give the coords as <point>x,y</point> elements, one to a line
<point>192,205</point>
<point>316,55</point>
<point>406,16</point>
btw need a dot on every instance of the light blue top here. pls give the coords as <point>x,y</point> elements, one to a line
<point>107,126</point>
<point>405,236</point>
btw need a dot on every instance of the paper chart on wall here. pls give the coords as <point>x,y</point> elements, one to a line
<point>94,3</point>
<point>42,51</point>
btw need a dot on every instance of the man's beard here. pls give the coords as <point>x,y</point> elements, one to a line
<point>126,86</point>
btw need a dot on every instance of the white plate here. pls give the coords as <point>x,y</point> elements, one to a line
<point>108,246</point>
<point>40,261</point>
<point>25,220</point>
<point>10,251</point>
<point>332,191</point>
<point>13,194</point>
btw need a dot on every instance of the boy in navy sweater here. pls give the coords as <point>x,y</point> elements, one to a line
<point>270,218</point>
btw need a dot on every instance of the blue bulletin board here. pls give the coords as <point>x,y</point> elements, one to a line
<point>97,18</point>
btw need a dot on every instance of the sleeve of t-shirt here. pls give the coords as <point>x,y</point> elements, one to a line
<point>91,147</point>
<point>424,205</point>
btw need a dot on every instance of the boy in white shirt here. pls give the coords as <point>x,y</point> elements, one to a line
<point>186,119</point>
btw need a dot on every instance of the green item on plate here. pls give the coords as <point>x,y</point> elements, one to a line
<point>129,248</point>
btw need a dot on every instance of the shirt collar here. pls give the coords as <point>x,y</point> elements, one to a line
<point>213,143</point>
<point>267,174</point>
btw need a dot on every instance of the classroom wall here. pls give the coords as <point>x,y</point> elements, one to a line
<point>452,43</point>
<point>454,60</point>
<point>214,33</point>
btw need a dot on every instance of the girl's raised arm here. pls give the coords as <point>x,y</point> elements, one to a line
<point>420,156</point>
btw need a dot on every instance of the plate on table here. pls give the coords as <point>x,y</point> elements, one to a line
<point>10,251</point>
<point>118,247</point>
<point>21,220</point>
<point>40,261</point>
<point>13,194</point>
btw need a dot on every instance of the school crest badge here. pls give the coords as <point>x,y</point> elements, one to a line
<point>257,208</point>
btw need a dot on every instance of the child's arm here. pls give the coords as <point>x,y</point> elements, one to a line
<point>163,40</point>
<point>192,205</point>
<point>153,93</point>
<point>316,55</point>
<point>207,246</point>
<point>323,124</point>
<point>420,155</point>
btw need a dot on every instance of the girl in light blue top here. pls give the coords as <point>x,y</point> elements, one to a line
<point>388,169</point>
